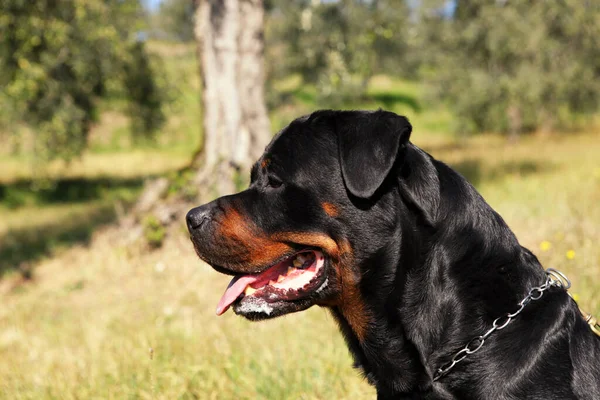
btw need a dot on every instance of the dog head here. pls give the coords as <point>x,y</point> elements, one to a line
<point>319,207</point>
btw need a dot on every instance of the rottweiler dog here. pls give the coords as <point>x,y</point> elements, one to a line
<point>344,212</point>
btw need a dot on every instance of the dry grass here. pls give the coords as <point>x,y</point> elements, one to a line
<point>130,164</point>
<point>37,217</point>
<point>548,191</point>
<point>83,328</point>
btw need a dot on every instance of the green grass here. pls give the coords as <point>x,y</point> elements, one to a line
<point>83,324</point>
<point>39,217</point>
<point>397,95</point>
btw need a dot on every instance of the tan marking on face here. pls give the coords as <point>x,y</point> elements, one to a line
<point>265,162</point>
<point>320,240</point>
<point>247,245</point>
<point>254,250</point>
<point>350,301</point>
<point>330,209</point>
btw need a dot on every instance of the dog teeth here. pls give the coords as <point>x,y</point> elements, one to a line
<point>249,291</point>
<point>272,282</point>
<point>297,262</point>
<point>281,277</point>
<point>290,270</point>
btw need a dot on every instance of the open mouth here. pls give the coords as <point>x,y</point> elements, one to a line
<point>294,278</point>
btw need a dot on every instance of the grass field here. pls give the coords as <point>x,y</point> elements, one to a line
<point>91,317</point>
<point>84,326</point>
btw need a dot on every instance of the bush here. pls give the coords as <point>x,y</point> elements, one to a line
<point>154,231</point>
<point>514,66</point>
<point>59,58</point>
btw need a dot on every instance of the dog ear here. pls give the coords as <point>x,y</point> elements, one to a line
<point>368,144</point>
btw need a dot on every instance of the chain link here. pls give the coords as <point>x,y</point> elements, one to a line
<point>554,278</point>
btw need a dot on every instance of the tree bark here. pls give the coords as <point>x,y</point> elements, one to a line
<point>230,39</point>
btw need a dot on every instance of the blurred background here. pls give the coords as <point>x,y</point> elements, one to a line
<point>116,116</point>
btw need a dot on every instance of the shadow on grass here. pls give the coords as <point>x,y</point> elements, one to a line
<point>69,190</point>
<point>95,198</point>
<point>303,96</point>
<point>386,100</point>
<point>21,247</point>
<point>390,100</point>
<point>473,171</point>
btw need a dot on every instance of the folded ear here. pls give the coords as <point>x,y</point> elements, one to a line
<point>368,144</point>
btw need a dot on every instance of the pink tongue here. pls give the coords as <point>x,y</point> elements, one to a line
<point>235,288</point>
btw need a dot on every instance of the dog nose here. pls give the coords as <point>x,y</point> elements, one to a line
<point>196,217</point>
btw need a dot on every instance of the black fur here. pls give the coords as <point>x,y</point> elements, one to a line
<point>436,264</point>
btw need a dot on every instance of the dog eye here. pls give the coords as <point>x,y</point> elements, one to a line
<point>274,182</point>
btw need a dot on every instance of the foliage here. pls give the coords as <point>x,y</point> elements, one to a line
<point>142,90</point>
<point>154,231</point>
<point>338,45</point>
<point>175,19</point>
<point>181,184</point>
<point>512,66</point>
<point>59,58</point>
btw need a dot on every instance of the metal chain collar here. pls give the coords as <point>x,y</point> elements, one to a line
<point>554,278</point>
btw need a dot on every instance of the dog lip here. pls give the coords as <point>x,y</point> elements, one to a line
<point>223,270</point>
<point>258,308</point>
<point>264,287</point>
<point>227,271</point>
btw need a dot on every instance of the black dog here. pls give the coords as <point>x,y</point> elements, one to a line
<point>344,212</point>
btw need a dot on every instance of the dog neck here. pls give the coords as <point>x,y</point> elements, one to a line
<point>444,254</point>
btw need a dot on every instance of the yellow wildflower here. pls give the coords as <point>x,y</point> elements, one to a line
<point>575,297</point>
<point>571,254</point>
<point>545,245</point>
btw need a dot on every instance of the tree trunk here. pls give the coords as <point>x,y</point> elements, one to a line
<point>230,39</point>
